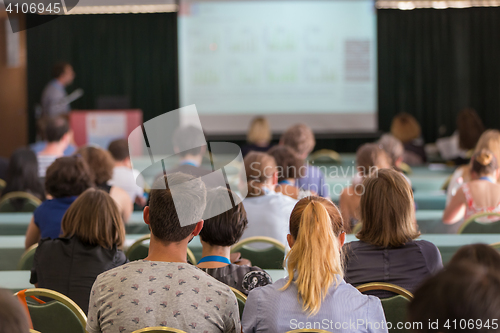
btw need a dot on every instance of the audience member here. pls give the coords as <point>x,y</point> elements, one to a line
<point>221,232</point>
<point>58,137</point>
<point>490,140</point>
<point>481,194</point>
<point>258,136</point>
<point>268,212</point>
<point>163,289</point>
<point>101,166</point>
<point>387,250</point>
<point>288,165</point>
<point>92,229</point>
<point>124,176</point>
<point>393,148</point>
<point>459,298</point>
<point>66,179</point>
<point>184,139</point>
<point>13,317</point>
<point>301,139</point>
<point>481,254</point>
<point>22,176</point>
<point>460,146</point>
<point>406,128</point>
<point>314,290</point>
<point>369,159</point>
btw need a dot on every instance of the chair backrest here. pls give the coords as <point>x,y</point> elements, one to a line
<point>28,202</point>
<point>139,250</point>
<point>269,258</point>
<point>159,329</point>
<point>26,261</point>
<point>496,246</point>
<point>395,308</point>
<point>311,330</point>
<point>325,155</point>
<point>242,299</point>
<point>473,226</point>
<point>60,315</point>
<point>33,331</point>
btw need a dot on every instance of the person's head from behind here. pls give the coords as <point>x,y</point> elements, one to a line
<point>405,127</point>
<point>176,198</point>
<point>316,238</point>
<point>187,137</point>
<point>63,72</point>
<point>100,163</point>
<point>466,293</point>
<point>13,317</point>
<point>287,162</point>
<point>119,151</point>
<point>470,127</point>
<point>57,130</point>
<point>393,147</point>
<point>490,140</point>
<point>386,210</point>
<point>481,254</point>
<point>261,173</point>
<point>259,132</point>
<point>22,172</point>
<point>484,164</point>
<point>300,138</point>
<point>370,158</point>
<point>223,229</point>
<point>68,176</point>
<point>94,219</point>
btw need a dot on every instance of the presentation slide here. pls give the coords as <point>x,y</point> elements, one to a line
<point>310,61</point>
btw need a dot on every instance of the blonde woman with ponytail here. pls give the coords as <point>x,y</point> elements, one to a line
<point>481,194</point>
<point>268,212</point>
<point>314,295</point>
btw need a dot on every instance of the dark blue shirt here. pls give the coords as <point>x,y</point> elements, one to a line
<point>49,214</point>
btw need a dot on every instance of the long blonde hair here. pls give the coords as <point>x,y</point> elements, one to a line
<point>314,261</point>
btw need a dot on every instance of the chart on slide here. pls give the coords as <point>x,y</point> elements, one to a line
<point>293,56</point>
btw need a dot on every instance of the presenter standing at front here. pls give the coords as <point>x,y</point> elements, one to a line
<point>55,101</point>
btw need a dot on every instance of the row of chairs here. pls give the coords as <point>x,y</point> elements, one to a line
<point>61,314</point>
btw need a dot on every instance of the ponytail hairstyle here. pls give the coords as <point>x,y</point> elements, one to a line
<point>314,261</point>
<point>484,162</point>
<point>259,168</point>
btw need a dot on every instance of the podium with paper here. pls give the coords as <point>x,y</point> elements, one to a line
<point>100,127</point>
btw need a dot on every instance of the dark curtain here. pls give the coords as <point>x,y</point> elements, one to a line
<point>126,54</point>
<point>433,63</point>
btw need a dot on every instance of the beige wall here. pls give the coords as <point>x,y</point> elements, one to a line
<point>13,94</point>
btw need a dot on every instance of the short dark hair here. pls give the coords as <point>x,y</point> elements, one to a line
<point>12,315</point>
<point>119,149</point>
<point>482,254</point>
<point>191,199</point>
<point>287,162</point>
<point>227,228</point>
<point>187,137</point>
<point>59,68</point>
<point>56,128</point>
<point>67,176</point>
<point>300,138</point>
<point>470,127</point>
<point>466,292</point>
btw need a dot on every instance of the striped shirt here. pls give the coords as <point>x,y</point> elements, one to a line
<point>44,161</point>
